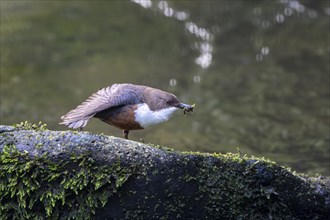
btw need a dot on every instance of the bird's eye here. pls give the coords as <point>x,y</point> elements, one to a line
<point>169,101</point>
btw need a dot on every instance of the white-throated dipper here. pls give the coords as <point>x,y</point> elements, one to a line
<point>126,106</point>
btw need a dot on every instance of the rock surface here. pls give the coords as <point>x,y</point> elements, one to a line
<point>80,175</point>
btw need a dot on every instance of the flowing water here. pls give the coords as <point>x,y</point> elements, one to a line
<point>258,71</point>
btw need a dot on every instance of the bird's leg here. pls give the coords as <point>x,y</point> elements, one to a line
<point>125,132</point>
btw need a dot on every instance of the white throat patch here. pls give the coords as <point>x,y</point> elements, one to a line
<point>146,117</point>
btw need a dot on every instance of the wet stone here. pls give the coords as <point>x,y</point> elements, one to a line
<point>124,174</point>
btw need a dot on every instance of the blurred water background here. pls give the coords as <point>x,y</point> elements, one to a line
<point>258,71</point>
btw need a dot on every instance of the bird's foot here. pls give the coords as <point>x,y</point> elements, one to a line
<point>125,133</point>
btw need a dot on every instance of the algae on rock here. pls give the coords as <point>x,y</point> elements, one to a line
<point>79,175</point>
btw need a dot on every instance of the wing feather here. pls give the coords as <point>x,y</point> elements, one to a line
<point>112,96</point>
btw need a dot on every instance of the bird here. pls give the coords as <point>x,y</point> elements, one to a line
<point>127,107</point>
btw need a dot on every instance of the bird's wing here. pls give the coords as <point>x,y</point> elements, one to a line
<point>112,96</point>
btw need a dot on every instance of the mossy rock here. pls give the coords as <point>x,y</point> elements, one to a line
<point>79,175</point>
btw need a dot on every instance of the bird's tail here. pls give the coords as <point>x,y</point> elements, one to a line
<point>72,120</point>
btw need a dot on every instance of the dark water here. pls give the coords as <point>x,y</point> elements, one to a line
<point>258,71</point>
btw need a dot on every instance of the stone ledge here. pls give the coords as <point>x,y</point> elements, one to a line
<point>69,174</point>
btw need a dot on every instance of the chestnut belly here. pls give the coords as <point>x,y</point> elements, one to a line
<point>122,117</point>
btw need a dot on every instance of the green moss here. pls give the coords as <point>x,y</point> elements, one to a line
<point>234,157</point>
<point>29,126</point>
<point>38,188</point>
<point>230,184</point>
<point>226,183</point>
<point>169,184</point>
<point>167,149</point>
